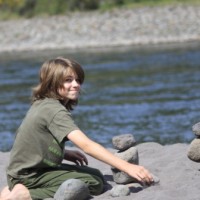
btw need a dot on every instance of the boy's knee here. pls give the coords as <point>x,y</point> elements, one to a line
<point>5,192</point>
<point>21,192</point>
<point>99,174</point>
<point>18,192</point>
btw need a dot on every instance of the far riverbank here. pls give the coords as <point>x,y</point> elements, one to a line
<point>120,27</point>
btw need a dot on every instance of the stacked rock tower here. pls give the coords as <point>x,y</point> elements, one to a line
<point>125,144</point>
<point>194,148</point>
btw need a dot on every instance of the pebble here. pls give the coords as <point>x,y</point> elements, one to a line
<point>136,26</point>
<point>119,191</point>
<point>155,179</point>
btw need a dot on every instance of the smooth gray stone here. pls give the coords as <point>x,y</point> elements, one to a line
<point>194,150</point>
<point>72,189</point>
<point>156,181</point>
<point>119,191</point>
<point>120,177</point>
<point>196,129</point>
<point>130,155</point>
<point>49,199</point>
<point>123,142</point>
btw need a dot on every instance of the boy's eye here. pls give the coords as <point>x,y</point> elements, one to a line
<point>69,80</point>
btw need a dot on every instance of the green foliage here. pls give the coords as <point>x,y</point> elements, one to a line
<point>82,5</point>
<point>158,2</point>
<point>52,7</point>
<point>104,5</point>
<point>11,3</point>
<point>27,9</point>
<point>30,8</point>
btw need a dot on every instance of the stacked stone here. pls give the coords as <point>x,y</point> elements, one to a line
<point>194,148</point>
<point>126,151</point>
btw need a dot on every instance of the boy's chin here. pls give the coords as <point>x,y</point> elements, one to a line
<point>74,98</point>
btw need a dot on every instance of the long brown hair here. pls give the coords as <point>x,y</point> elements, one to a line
<point>52,76</point>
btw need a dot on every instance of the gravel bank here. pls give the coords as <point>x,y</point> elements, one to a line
<point>95,29</point>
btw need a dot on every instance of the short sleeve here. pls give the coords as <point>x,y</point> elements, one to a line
<point>62,124</point>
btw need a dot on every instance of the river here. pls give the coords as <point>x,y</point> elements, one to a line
<point>151,92</point>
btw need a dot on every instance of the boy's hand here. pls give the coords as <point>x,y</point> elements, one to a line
<point>76,157</point>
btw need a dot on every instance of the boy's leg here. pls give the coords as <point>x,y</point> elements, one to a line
<point>45,184</point>
<point>91,176</point>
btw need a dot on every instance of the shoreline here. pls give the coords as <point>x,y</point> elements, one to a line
<point>119,27</point>
<point>42,55</point>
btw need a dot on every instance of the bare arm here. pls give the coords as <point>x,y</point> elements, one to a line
<point>99,152</point>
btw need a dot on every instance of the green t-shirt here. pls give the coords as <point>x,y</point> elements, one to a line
<point>40,139</point>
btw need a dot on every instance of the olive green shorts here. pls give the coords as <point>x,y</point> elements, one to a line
<point>45,183</point>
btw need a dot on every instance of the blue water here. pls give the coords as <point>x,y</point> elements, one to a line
<point>151,92</point>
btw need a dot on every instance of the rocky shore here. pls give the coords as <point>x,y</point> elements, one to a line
<point>178,175</point>
<point>149,25</point>
<point>174,168</point>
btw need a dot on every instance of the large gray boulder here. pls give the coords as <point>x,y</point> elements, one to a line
<point>72,189</point>
<point>131,156</point>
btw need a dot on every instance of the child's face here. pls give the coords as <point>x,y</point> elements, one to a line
<point>71,87</point>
